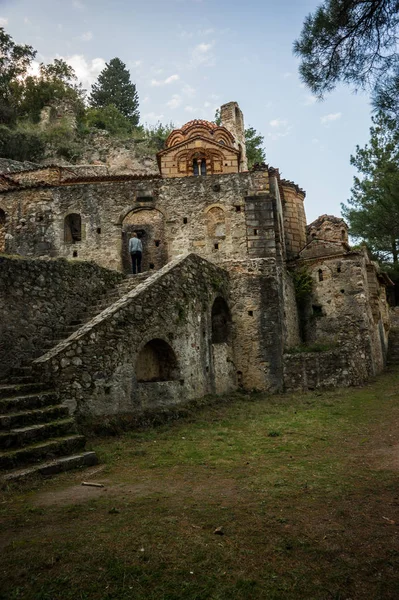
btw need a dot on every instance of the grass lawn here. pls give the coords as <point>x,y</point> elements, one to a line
<point>305,489</point>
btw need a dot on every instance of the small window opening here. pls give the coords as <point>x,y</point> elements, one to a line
<point>216,246</point>
<point>342,291</point>
<point>251,313</point>
<point>39,218</point>
<point>203,167</point>
<point>321,276</point>
<point>157,243</point>
<point>317,310</point>
<point>195,168</point>
<point>238,208</point>
<point>226,165</point>
<point>152,266</point>
<point>2,217</point>
<point>343,234</point>
<point>255,232</point>
<point>72,228</point>
<point>338,269</point>
<point>313,235</point>
<point>185,220</point>
<point>75,253</point>
<point>98,229</point>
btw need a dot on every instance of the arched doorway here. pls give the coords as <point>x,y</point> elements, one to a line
<point>156,362</point>
<point>149,224</point>
<point>221,322</point>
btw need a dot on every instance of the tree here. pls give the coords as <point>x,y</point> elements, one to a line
<point>353,41</point>
<point>55,82</point>
<point>254,147</point>
<point>14,62</point>
<point>113,86</point>
<point>373,209</point>
<point>108,118</point>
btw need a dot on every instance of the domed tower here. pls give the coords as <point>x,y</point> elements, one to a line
<point>328,228</point>
<point>197,149</point>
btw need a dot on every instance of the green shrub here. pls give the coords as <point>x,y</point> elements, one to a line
<point>20,145</point>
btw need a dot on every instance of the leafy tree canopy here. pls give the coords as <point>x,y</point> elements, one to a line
<point>254,147</point>
<point>108,118</point>
<point>373,209</point>
<point>14,62</point>
<point>55,82</point>
<point>352,41</point>
<point>113,86</point>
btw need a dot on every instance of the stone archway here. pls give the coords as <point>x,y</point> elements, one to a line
<point>149,224</point>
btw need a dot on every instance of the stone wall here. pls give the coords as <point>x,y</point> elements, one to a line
<point>38,298</point>
<point>169,318</point>
<point>316,370</point>
<point>205,215</point>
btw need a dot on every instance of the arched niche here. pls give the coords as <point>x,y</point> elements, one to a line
<point>216,222</point>
<point>156,362</point>
<point>149,224</point>
<point>221,322</point>
<point>72,228</point>
<point>3,217</point>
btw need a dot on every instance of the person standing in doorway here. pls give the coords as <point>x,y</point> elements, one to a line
<point>136,251</point>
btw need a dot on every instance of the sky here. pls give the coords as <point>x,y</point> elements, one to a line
<point>187,57</point>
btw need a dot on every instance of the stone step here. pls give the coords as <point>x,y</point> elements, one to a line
<point>28,401</point>
<point>31,417</point>
<point>23,436</point>
<point>18,379</point>
<point>47,469</point>
<point>16,389</point>
<point>42,451</point>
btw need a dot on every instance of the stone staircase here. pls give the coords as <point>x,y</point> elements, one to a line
<point>37,435</point>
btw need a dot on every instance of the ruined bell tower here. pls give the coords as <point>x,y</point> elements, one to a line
<point>233,119</point>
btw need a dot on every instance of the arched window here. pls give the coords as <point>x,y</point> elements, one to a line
<point>321,277</point>
<point>72,228</point>
<point>221,322</point>
<point>195,167</point>
<point>203,167</point>
<point>216,222</point>
<point>343,234</point>
<point>156,362</point>
<point>2,217</point>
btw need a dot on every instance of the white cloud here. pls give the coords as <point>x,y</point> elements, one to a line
<point>78,5</point>
<point>310,100</point>
<point>3,21</point>
<point>87,36</point>
<point>206,31</point>
<point>175,101</point>
<point>152,117</point>
<point>167,81</point>
<point>86,71</point>
<point>202,55</point>
<point>331,117</point>
<point>277,123</point>
<point>207,104</point>
<point>286,75</point>
<point>188,91</point>
<point>190,109</point>
<point>281,128</point>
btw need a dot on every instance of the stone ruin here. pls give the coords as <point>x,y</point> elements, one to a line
<point>217,307</point>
